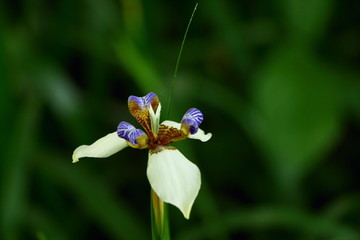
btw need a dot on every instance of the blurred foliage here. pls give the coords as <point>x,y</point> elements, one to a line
<point>277,81</point>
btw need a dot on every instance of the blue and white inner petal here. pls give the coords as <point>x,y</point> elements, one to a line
<point>144,102</point>
<point>192,118</point>
<point>129,133</point>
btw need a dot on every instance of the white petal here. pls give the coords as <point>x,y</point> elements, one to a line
<point>200,135</point>
<point>172,124</point>
<point>104,147</point>
<point>155,118</point>
<point>174,178</point>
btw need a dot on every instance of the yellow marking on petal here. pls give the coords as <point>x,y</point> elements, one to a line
<point>142,142</point>
<point>160,149</point>
<point>185,129</point>
<point>155,103</point>
<point>169,134</point>
<point>142,114</point>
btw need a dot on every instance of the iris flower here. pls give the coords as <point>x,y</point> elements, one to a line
<point>174,178</point>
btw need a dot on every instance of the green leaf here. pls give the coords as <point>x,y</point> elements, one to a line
<point>14,172</point>
<point>138,66</point>
<point>307,19</point>
<point>297,112</point>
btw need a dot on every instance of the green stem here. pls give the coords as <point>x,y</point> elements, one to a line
<point>178,61</point>
<point>159,218</point>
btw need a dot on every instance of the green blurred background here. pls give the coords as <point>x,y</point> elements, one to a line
<point>277,81</point>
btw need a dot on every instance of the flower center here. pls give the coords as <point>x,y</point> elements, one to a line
<point>146,110</point>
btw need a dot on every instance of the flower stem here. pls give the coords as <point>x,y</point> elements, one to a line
<point>178,61</point>
<point>159,218</point>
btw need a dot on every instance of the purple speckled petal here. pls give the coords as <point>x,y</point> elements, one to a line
<point>192,118</point>
<point>143,102</point>
<point>129,132</point>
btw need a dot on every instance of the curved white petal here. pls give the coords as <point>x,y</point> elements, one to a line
<point>104,147</point>
<point>200,135</point>
<point>174,178</point>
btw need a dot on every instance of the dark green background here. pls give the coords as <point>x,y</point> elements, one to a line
<point>277,81</point>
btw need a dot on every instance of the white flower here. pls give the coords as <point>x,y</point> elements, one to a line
<point>172,176</point>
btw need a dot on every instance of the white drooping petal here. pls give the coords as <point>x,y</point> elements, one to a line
<point>200,135</point>
<point>174,178</point>
<point>103,147</point>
